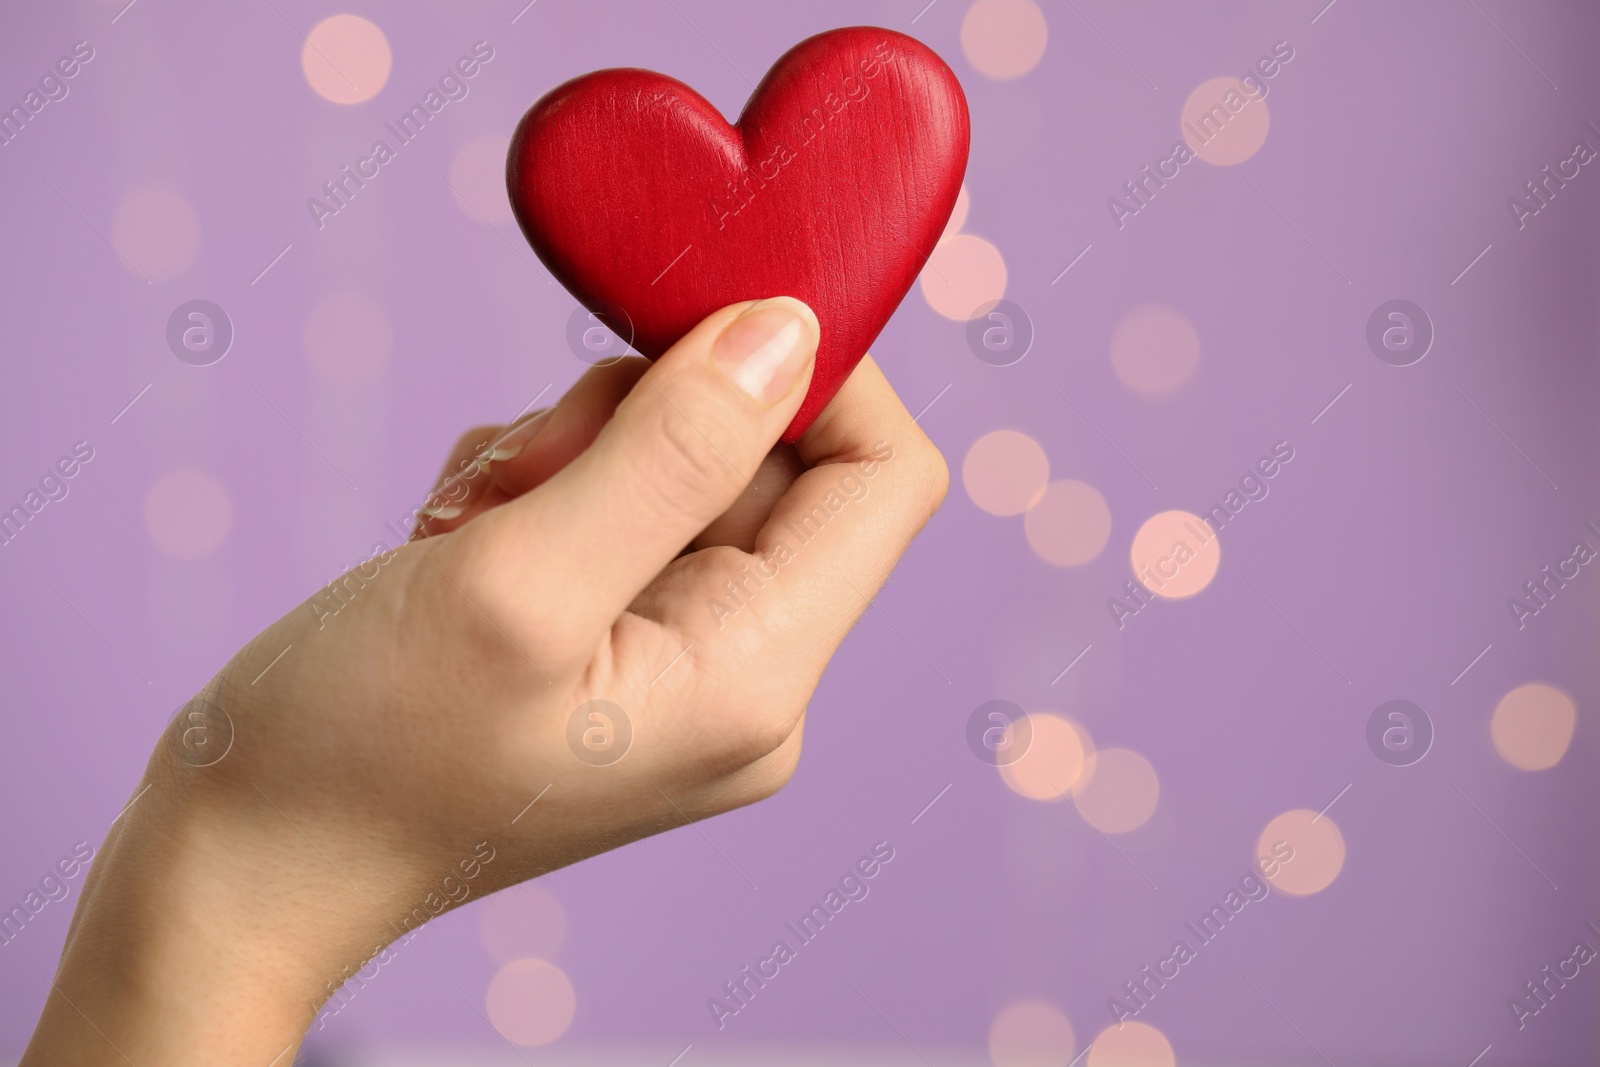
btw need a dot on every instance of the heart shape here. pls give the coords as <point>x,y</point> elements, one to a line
<point>833,187</point>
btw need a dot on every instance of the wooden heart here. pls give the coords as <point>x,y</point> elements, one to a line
<point>833,187</point>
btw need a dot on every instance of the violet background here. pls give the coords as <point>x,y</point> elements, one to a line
<point>1393,540</point>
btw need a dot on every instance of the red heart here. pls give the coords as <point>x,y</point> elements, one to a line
<point>833,187</point>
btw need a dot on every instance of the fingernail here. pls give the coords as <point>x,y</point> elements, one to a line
<point>768,347</point>
<point>443,511</point>
<point>517,438</point>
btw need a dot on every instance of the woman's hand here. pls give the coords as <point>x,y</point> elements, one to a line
<point>609,627</point>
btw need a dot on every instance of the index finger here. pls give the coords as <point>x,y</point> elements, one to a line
<point>874,481</point>
<point>677,452</point>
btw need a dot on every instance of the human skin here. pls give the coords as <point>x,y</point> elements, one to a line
<point>400,738</point>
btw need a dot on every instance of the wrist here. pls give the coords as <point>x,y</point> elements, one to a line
<point>200,938</point>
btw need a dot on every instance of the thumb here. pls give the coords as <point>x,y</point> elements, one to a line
<point>680,450</point>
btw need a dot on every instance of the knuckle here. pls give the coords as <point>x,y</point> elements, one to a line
<point>776,773</point>
<point>766,734</point>
<point>692,458</point>
<point>776,768</point>
<point>755,741</point>
<point>751,729</point>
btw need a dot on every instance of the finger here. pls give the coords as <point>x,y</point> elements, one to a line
<point>460,481</point>
<point>755,778</point>
<point>571,427</point>
<point>767,774</point>
<point>738,526</point>
<point>678,452</point>
<point>537,445</point>
<point>874,481</point>
<point>466,487</point>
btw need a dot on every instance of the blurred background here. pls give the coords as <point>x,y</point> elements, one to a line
<point>1341,348</point>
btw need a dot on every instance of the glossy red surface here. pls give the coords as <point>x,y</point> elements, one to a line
<point>833,187</point>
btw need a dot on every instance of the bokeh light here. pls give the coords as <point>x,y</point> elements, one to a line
<point>1049,770</point>
<point>346,59</point>
<point>531,1002</point>
<point>1069,525</point>
<point>527,920</point>
<point>1005,472</point>
<point>1154,349</point>
<point>1223,123</point>
<point>1031,1033</point>
<point>478,179</point>
<point>958,215</point>
<point>1318,851</point>
<point>157,230</point>
<point>964,273</point>
<point>1131,1044</point>
<point>188,514</point>
<point>1533,726</point>
<point>1119,791</point>
<point>1004,39</point>
<point>1175,554</point>
<point>348,338</point>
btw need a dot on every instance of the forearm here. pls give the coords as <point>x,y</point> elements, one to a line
<point>194,943</point>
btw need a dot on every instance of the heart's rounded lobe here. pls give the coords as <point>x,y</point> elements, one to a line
<point>833,187</point>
